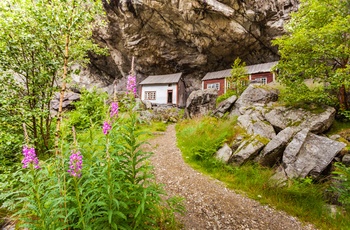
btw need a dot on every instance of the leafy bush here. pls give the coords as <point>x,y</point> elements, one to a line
<point>89,109</point>
<point>226,95</point>
<point>303,95</point>
<point>342,174</point>
<point>101,179</point>
<point>345,114</point>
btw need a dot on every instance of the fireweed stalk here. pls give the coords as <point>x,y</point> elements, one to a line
<point>31,161</point>
<point>114,109</point>
<point>75,168</point>
<point>30,158</point>
<point>106,127</point>
<point>75,164</point>
<point>131,84</point>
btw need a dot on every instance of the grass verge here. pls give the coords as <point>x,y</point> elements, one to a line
<point>199,139</point>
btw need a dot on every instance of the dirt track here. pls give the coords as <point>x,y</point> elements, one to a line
<point>209,204</point>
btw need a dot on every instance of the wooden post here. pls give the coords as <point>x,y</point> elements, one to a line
<point>132,66</point>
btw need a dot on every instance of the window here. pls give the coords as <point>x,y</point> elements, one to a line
<point>263,80</point>
<point>213,86</point>
<point>150,95</point>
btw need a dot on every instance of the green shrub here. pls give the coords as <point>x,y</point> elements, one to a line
<point>342,175</point>
<point>303,95</point>
<point>90,108</point>
<point>114,188</point>
<point>224,96</point>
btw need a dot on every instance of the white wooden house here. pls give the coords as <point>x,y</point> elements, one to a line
<point>164,89</point>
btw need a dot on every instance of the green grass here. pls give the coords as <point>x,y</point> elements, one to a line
<point>338,126</point>
<point>301,198</point>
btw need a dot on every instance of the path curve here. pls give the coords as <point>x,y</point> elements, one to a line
<point>209,204</point>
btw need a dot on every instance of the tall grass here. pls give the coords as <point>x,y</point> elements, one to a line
<point>304,199</point>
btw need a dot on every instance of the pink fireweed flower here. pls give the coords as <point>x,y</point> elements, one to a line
<point>75,164</point>
<point>106,127</point>
<point>131,84</point>
<point>30,157</point>
<point>114,109</point>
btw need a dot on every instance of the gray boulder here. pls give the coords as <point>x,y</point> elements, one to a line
<point>139,105</point>
<point>283,117</point>
<point>346,160</point>
<point>248,150</point>
<point>318,123</point>
<point>309,154</point>
<point>253,124</point>
<point>68,99</point>
<point>224,153</point>
<point>225,106</point>
<point>256,94</point>
<point>272,153</point>
<point>147,104</point>
<point>201,102</point>
<point>147,116</point>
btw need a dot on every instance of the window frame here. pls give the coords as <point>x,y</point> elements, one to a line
<point>216,84</point>
<point>150,95</point>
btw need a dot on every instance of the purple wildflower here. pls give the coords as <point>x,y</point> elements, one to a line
<point>30,157</point>
<point>131,84</point>
<point>114,109</point>
<point>106,127</point>
<point>75,164</point>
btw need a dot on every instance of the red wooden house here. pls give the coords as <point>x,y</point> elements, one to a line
<point>260,73</point>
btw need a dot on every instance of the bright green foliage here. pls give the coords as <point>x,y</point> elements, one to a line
<point>239,77</point>
<point>116,189</point>
<point>317,47</point>
<point>302,198</point>
<point>200,140</point>
<point>342,174</point>
<point>89,109</point>
<point>226,95</point>
<point>33,39</point>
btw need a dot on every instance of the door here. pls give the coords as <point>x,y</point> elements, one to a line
<point>170,96</point>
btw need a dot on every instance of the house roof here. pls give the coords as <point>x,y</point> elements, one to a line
<point>217,74</point>
<point>251,69</point>
<point>162,79</point>
<point>261,68</point>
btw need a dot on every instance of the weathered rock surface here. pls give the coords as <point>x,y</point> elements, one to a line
<point>282,117</point>
<point>201,102</point>
<point>309,154</point>
<point>147,104</point>
<point>272,153</point>
<point>191,36</point>
<point>346,160</point>
<point>255,94</point>
<point>161,113</point>
<point>225,106</point>
<point>68,99</point>
<point>224,153</point>
<point>254,125</point>
<point>248,150</point>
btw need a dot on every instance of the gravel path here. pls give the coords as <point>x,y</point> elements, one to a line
<point>209,204</point>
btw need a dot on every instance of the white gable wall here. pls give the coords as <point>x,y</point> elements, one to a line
<point>161,93</point>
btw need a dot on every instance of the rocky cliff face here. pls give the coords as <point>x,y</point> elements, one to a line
<point>189,36</point>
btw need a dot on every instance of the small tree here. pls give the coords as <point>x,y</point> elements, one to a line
<point>39,40</point>
<point>317,46</point>
<point>238,80</point>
